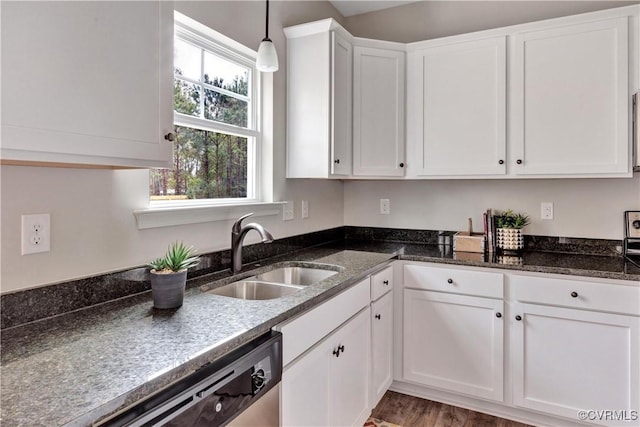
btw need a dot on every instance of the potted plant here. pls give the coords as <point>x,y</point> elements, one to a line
<point>168,275</point>
<point>509,227</point>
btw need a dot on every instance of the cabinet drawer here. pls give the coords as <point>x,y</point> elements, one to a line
<point>599,296</point>
<point>381,283</point>
<point>468,282</point>
<point>302,332</point>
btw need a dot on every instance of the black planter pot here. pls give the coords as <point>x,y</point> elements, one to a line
<point>167,289</point>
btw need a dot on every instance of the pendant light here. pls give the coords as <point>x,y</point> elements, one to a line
<point>267,60</point>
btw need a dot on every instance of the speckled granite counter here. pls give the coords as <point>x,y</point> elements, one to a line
<point>78,367</point>
<point>605,267</point>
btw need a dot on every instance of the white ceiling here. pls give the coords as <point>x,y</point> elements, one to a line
<point>356,7</point>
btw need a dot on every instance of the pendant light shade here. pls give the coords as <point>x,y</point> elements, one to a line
<point>267,60</point>
<point>267,57</point>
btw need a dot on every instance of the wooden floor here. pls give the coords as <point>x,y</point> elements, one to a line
<point>409,411</point>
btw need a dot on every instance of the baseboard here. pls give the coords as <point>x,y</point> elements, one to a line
<point>484,406</point>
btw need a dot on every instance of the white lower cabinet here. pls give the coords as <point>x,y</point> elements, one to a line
<point>454,342</point>
<point>569,360</point>
<point>381,336</point>
<point>576,357</point>
<point>328,385</point>
<point>573,344</point>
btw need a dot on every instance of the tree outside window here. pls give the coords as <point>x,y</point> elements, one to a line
<point>214,128</point>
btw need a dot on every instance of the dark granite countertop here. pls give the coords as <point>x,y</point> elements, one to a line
<point>76,368</point>
<point>79,367</point>
<point>597,266</point>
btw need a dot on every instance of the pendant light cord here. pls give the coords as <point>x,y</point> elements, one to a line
<point>266,31</point>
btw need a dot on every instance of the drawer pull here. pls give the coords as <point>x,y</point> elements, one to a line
<point>574,294</point>
<point>518,317</point>
<point>385,282</point>
<point>498,315</point>
<point>377,316</point>
<point>449,281</point>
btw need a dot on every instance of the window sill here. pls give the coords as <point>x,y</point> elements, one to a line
<point>155,217</point>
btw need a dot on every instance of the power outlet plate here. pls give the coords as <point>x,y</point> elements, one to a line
<point>385,206</point>
<point>36,233</point>
<point>305,209</point>
<point>546,210</point>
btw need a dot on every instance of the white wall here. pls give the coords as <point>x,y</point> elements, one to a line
<point>582,207</point>
<point>93,229</point>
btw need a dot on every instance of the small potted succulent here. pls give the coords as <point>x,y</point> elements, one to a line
<point>168,275</point>
<point>509,227</point>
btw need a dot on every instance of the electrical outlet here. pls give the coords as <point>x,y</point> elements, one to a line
<point>546,210</point>
<point>385,206</point>
<point>305,209</point>
<point>287,211</point>
<point>36,234</point>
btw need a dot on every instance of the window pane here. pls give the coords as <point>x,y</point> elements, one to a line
<point>225,74</point>
<point>186,59</point>
<point>225,108</point>
<point>206,165</point>
<point>186,97</point>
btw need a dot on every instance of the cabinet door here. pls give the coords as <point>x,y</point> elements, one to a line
<point>349,372</point>
<point>454,342</point>
<point>570,99</point>
<point>378,112</point>
<point>92,85</point>
<point>341,105</point>
<point>308,105</point>
<point>457,108</point>
<point>568,360</point>
<point>381,347</point>
<point>305,389</point>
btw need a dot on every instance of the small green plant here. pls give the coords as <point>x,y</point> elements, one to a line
<point>178,258</point>
<point>510,219</point>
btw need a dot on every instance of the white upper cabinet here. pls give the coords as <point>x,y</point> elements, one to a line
<point>378,112</point>
<point>87,83</point>
<point>548,99</point>
<point>341,105</point>
<point>319,107</point>
<point>457,108</point>
<point>570,97</point>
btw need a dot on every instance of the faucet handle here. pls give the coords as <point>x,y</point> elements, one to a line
<point>237,224</point>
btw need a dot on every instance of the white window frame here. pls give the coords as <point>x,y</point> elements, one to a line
<point>181,212</point>
<point>203,37</point>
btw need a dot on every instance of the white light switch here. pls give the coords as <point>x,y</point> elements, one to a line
<point>305,209</point>
<point>287,211</point>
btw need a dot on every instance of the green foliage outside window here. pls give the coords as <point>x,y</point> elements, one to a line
<point>206,164</point>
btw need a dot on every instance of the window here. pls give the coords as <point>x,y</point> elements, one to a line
<point>217,135</point>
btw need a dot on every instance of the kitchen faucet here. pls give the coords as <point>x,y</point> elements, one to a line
<point>237,235</point>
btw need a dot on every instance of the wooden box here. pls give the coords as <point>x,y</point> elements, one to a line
<point>465,242</point>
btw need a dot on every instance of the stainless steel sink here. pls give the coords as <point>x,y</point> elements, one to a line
<point>275,283</point>
<point>255,290</point>
<point>302,276</point>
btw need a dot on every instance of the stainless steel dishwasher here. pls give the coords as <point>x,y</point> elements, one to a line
<point>217,393</point>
